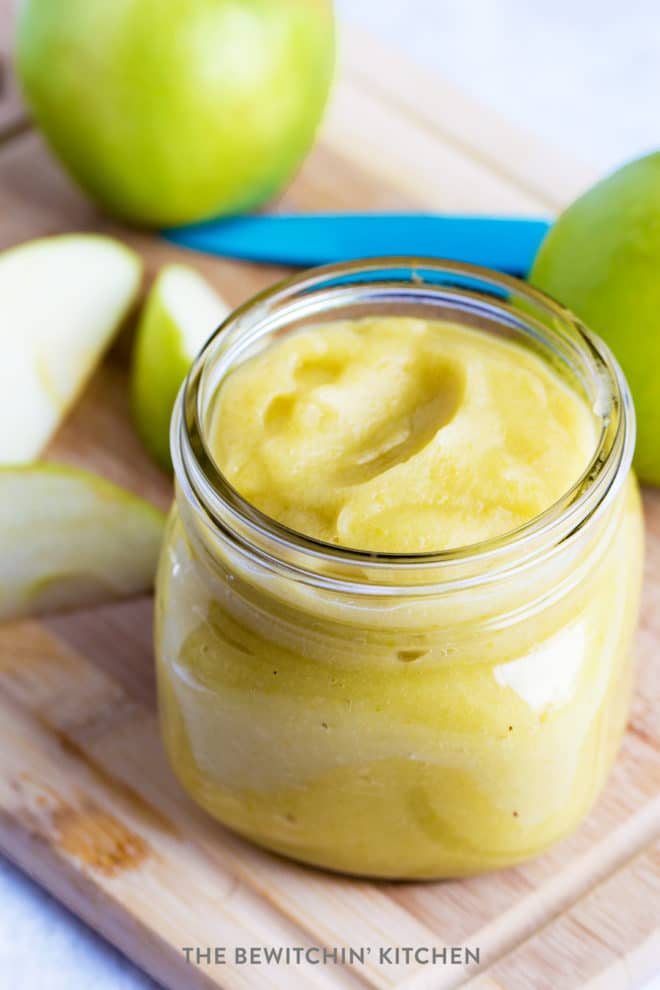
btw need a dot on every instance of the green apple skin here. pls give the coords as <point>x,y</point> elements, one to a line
<point>171,112</point>
<point>160,364</point>
<point>164,351</point>
<point>601,259</point>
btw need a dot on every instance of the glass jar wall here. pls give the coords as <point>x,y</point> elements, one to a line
<point>400,715</point>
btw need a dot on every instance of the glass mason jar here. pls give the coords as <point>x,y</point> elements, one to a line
<point>393,715</point>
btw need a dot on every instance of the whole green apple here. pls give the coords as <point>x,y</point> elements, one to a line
<point>601,259</point>
<point>170,111</point>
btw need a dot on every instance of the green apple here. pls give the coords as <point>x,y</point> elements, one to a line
<point>169,112</point>
<point>180,314</point>
<point>602,260</point>
<point>70,539</point>
<point>62,300</point>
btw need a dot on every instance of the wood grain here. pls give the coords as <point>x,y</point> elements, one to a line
<point>607,948</point>
<point>549,178</point>
<point>88,805</point>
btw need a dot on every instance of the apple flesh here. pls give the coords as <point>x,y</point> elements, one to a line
<point>71,539</point>
<point>167,113</point>
<point>62,300</point>
<point>180,314</point>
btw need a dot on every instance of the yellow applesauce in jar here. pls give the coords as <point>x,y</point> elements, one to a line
<point>399,589</point>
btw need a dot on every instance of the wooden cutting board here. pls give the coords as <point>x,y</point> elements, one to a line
<point>88,806</point>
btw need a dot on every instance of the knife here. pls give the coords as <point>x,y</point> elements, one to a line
<point>503,243</point>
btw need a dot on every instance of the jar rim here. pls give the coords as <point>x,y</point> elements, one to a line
<point>471,287</point>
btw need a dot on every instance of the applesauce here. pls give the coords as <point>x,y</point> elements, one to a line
<point>399,588</point>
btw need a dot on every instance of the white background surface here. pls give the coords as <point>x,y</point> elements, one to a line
<point>582,73</point>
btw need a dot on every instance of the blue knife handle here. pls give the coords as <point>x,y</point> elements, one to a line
<point>505,244</point>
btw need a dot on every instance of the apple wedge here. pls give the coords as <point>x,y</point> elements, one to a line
<point>180,314</point>
<point>69,539</point>
<point>62,300</point>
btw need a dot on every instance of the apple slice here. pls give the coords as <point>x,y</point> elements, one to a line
<point>70,539</point>
<point>61,301</point>
<point>180,314</point>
